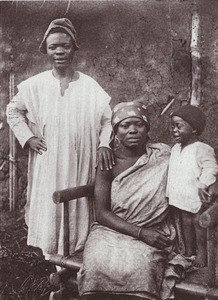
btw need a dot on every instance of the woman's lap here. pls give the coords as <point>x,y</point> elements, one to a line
<point>116,263</point>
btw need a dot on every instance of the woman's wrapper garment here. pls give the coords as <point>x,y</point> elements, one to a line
<point>115,263</point>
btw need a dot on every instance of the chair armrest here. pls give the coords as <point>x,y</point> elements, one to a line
<point>73,262</point>
<point>209,218</point>
<point>73,193</point>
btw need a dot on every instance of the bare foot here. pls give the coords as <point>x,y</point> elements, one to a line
<point>201,259</point>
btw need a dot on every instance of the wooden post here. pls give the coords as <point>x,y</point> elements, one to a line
<point>66,235</point>
<point>208,219</point>
<point>195,59</point>
<point>12,156</point>
<point>211,256</point>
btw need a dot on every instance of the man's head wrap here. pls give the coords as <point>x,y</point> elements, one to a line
<point>193,116</point>
<point>64,24</point>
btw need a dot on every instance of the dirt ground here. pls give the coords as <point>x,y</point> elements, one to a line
<point>23,274</point>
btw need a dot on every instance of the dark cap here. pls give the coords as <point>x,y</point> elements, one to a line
<point>64,24</point>
<point>192,115</point>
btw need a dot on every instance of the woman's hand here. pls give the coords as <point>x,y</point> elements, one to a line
<point>155,238</point>
<point>37,144</point>
<point>105,158</point>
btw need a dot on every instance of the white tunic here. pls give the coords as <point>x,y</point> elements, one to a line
<point>190,169</point>
<point>71,125</point>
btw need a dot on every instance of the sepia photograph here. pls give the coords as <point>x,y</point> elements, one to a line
<point>109,150</point>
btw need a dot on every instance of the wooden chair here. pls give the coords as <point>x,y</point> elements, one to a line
<point>200,284</point>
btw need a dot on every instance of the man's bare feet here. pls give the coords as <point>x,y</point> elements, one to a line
<point>201,259</point>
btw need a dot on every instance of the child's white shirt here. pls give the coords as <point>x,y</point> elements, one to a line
<point>190,168</point>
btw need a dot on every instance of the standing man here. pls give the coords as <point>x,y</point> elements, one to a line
<point>63,116</point>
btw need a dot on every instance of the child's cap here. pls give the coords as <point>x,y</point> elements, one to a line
<point>192,115</point>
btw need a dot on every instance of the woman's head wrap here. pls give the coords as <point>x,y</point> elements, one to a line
<point>126,110</point>
<point>63,24</point>
<point>192,115</point>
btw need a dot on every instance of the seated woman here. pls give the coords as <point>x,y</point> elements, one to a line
<point>129,245</point>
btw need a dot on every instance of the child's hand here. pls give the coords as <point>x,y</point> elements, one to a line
<point>213,191</point>
<point>204,196</point>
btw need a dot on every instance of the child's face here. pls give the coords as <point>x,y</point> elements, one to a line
<point>182,132</point>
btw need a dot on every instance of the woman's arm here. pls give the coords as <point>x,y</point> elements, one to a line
<point>106,217</point>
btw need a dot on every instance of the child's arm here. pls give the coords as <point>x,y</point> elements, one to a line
<point>209,170</point>
<point>208,164</point>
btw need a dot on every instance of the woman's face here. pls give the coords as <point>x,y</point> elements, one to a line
<point>60,49</point>
<point>132,132</point>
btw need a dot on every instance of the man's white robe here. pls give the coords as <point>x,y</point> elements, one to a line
<point>73,126</point>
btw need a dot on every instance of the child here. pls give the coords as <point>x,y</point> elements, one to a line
<point>192,169</point>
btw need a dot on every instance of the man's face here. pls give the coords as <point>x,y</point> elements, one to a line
<point>60,49</point>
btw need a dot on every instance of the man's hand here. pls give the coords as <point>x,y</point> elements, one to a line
<point>155,238</point>
<point>105,158</point>
<point>37,144</point>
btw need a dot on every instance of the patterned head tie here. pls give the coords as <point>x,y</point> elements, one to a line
<point>126,110</point>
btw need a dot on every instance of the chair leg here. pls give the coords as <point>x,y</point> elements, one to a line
<point>63,294</point>
<point>58,295</point>
<point>68,289</point>
<point>71,285</point>
<point>59,277</point>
